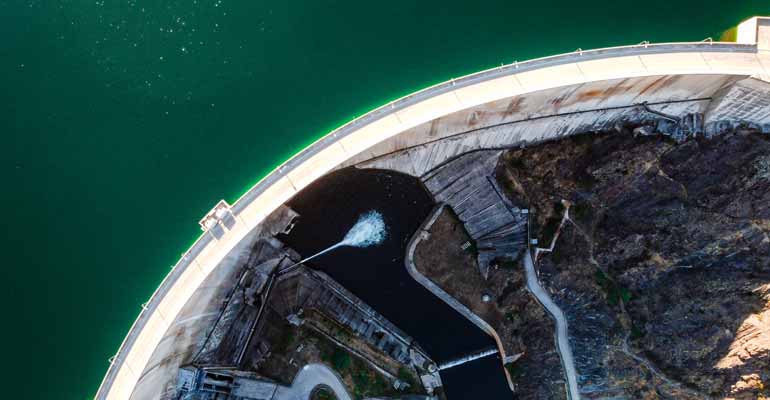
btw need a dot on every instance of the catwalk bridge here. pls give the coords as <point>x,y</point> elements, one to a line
<point>468,358</point>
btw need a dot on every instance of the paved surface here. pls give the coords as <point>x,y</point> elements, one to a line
<point>562,340</point>
<point>307,379</point>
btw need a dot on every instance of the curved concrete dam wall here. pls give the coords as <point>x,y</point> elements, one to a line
<point>516,104</point>
<point>679,105</point>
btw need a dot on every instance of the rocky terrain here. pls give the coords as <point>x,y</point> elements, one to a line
<point>663,267</point>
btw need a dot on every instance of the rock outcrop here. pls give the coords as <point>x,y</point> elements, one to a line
<point>663,268</point>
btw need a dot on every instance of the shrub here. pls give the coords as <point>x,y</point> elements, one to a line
<point>625,294</point>
<point>580,211</point>
<point>611,289</point>
<point>340,360</point>
<point>405,376</point>
<point>323,394</point>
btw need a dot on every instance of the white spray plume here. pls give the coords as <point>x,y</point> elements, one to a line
<point>369,230</point>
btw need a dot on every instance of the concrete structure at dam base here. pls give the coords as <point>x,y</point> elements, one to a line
<point>682,90</point>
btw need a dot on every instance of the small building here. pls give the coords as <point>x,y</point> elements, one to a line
<point>222,385</point>
<point>217,214</point>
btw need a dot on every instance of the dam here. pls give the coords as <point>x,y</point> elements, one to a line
<point>679,90</point>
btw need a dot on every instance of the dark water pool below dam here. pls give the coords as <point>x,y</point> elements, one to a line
<point>377,274</point>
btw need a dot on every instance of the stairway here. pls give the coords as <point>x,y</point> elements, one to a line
<point>467,184</point>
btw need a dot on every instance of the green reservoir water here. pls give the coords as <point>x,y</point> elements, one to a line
<point>123,122</point>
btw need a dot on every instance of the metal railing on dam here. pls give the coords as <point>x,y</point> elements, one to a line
<point>354,138</point>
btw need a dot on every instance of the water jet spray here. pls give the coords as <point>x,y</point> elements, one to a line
<point>369,230</point>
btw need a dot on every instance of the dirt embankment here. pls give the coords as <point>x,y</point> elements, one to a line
<point>664,270</point>
<point>521,322</point>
